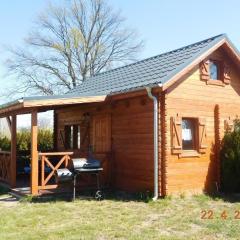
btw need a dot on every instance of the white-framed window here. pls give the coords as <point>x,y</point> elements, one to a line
<point>189,133</point>
<point>72,137</point>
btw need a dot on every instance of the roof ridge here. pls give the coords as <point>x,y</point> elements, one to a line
<point>161,54</point>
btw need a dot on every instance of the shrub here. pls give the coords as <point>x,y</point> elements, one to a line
<point>45,141</point>
<point>230,159</point>
<point>23,141</point>
<point>5,143</point>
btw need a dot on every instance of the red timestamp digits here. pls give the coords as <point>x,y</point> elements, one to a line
<point>210,214</point>
<point>207,214</point>
<point>237,214</point>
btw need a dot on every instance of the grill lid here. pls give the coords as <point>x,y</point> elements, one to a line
<point>79,163</point>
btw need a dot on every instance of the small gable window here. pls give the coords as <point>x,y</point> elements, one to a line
<point>214,70</point>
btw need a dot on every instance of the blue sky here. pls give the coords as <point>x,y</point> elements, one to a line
<point>163,24</point>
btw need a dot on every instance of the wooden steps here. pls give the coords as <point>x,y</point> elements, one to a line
<point>20,192</point>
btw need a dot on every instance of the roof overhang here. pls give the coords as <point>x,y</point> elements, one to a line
<point>25,105</point>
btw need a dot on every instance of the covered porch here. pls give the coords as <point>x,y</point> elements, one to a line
<point>39,180</point>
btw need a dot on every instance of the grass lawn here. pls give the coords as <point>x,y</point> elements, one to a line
<point>170,218</point>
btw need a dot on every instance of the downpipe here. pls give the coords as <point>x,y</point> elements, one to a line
<point>155,133</point>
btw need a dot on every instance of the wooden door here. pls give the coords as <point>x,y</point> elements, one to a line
<point>102,144</point>
<point>102,133</point>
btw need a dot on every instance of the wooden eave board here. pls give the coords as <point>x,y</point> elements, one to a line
<point>26,106</point>
<point>63,101</point>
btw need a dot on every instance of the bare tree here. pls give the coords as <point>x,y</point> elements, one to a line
<point>69,43</point>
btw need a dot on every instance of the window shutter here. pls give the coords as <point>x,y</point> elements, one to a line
<point>62,138</point>
<point>102,133</point>
<point>75,136</point>
<point>176,126</point>
<point>204,71</point>
<point>67,136</point>
<point>226,74</point>
<point>202,135</point>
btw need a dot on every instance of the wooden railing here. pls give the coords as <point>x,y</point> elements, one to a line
<point>46,162</point>
<point>5,159</point>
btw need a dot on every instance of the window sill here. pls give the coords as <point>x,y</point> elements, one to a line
<point>215,82</point>
<point>189,153</point>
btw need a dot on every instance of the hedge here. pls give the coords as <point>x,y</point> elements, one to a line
<point>230,160</point>
<point>45,141</point>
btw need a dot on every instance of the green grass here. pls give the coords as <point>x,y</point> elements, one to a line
<point>170,218</point>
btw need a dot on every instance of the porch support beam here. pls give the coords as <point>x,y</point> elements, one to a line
<point>34,154</point>
<point>13,171</point>
<point>55,127</point>
<point>9,122</point>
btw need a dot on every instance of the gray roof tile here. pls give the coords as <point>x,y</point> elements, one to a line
<point>148,72</point>
<point>151,71</point>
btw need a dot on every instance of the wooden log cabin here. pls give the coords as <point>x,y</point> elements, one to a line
<point>156,125</point>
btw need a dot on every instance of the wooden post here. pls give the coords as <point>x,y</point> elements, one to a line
<point>13,171</point>
<point>34,154</point>
<point>9,122</point>
<point>55,129</point>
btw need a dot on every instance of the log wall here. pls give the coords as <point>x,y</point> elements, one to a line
<point>194,98</point>
<point>129,162</point>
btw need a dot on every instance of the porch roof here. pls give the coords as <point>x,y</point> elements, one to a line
<point>27,104</point>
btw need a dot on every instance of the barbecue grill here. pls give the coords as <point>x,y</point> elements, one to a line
<point>80,166</point>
